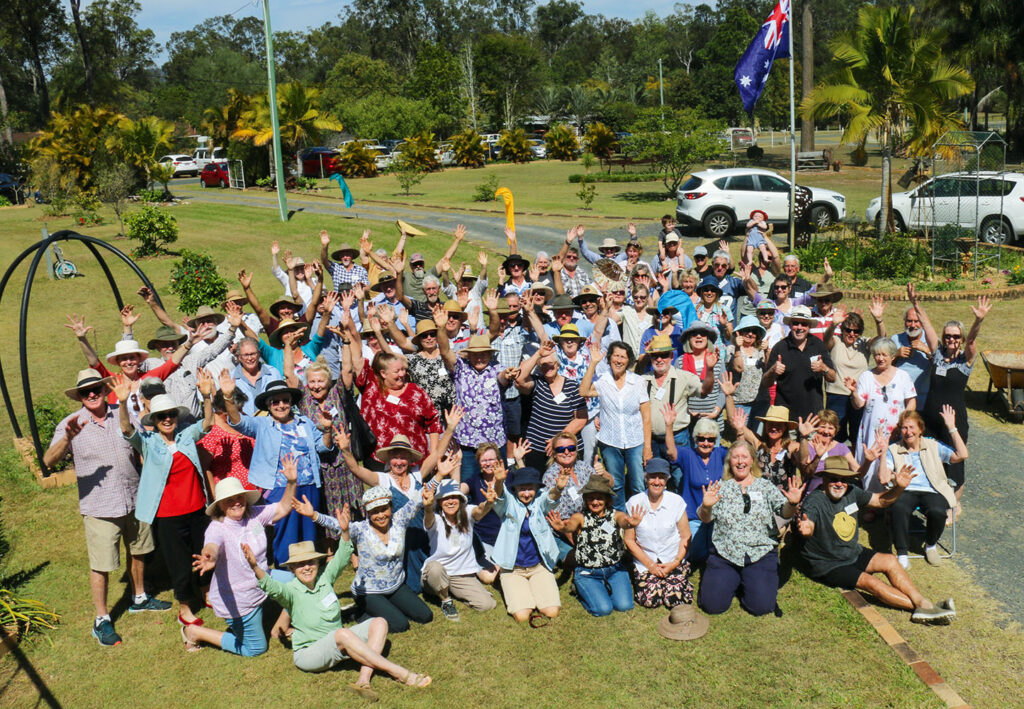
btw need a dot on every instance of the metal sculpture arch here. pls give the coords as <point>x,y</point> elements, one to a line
<point>39,249</point>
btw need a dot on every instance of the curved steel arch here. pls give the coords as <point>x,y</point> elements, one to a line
<point>39,249</point>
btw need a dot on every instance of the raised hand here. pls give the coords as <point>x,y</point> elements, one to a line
<point>738,420</point>
<point>76,324</point>
<point>636,515</point>
<point>146,294</point>
<point>556,522</point>
<point>275,248</point>
<point>249,556</point>
<point>904,476</point>
<point>510,236</point>
<point>556,264</point>
<point>500,471</point>
<point>324,417</point>
<point>341,437</point>
<point>805,526</point>
<point>439,315</point>
<point>364,241</point>
<point>948,415</point>
<point>779,368</point>
<point>596,354</point>
<point>631,230</point>
<point>806,428</point>
<point>325,238</point>
<point>711,358</point>
<point>289,261</point>
<point>984,305</point>
<point>794,490</point>
<point>344,517</point>
<point>428,494</point>
<point>121,386</point>
<point>911,293</point>
<point>726,383</point>
<point>202,332</point>
<point>234,313</point>
<point>668,412</point>
<point>386,313</point>
<point>73,428</point>
<point>712,494</point>
<point>304,508</point>
<point>227,384</point>
<point>245,278</point>
<point>570,234</point>
<point>521,448</point>
<point>128,316</point>
<point>599,469</point>
<point>489,493</point>
<point>453,416</point>
<point>290,468</point>
<point>481,258</point>
<point>877,308</point>
<point>491,299</point>
<point>203,563</point>
<point>827,269</point>
<point>851,384</point>
<point>204,382</point>
<point>358,290</point>
<point>448,464</point>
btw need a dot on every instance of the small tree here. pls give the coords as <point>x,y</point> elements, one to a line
<point>601,141</point>
<point>469,149</point>
<point>407,172</point>
<point>114,185</point>
<point>153,228</point>
<point>163,173</point>
<point>676,145</point>
<point>514,146</point>
<point>357,160</point>
<point>196,281</point>
<point>56,185</point>
<point>561,142</point>
<point>419,153</point>
<point>587,192</point>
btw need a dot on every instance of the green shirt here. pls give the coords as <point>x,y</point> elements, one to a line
<point>315,611</point>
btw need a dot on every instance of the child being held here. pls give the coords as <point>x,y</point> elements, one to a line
<point>758,232</point>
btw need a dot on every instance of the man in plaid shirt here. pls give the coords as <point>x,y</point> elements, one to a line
<point>341,264</point>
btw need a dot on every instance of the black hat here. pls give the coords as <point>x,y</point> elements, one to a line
<point>526,476</point>
<point>275,388</point>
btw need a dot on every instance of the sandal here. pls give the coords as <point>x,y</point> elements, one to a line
<point>364,691</point>
<point>190,646</point>
<point>417,680</point>
<point>538,619</point>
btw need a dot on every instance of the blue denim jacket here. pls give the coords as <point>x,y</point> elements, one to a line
<point>156,465</point>
<point>512,513</point>
<point>267,447</point>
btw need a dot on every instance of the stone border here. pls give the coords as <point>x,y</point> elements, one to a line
<point>28,455</point>
<point>922,669</point>
<point>1007,293</point>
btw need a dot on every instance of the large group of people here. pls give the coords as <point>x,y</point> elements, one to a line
<point>457,436</point>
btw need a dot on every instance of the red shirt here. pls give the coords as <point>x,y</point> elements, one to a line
<point>411,413</point>
<point>162,372</point>
<point>231,454</point>
<point>183,492</point>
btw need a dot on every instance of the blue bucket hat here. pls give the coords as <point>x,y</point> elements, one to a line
<point>449,488</point>
<point>526,476</point>
<point>709,281</point>
<point>749,322</point>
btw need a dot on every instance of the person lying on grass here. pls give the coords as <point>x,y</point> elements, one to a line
<point>320,642</point>
<point>829,525</point>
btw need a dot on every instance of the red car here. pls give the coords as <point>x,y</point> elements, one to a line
<point>319,162</point>
<point>215,174</point>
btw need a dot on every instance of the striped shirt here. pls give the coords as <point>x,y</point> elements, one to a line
<point>551,416</point>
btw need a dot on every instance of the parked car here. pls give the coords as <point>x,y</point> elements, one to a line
<point>183,164</point>
<point>13,188</point>
<point>215,174</point>
<point>445,155</point>
<point>539,149</point>
<point>205,155</point>
<point>384,157</point>
<point>992,202</point>
<point>319,161</point>
<point>718,200</point>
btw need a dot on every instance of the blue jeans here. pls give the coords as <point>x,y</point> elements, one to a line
<point>682,439</point>
<point>700,540</point>
<point>244,635</point>
<point>470,466</point>
<point>626,466</point>
<point>604,589</point>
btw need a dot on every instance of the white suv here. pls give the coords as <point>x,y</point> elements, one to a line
<point>992,202</point>
<point>718,200</point>
<point>183,164</point>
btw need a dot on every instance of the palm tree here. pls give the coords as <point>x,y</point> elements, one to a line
<point>140,142</point>
<point>892,81</point>
<point>299,116</point>
<point>580,104</point>
<point>220,122</point>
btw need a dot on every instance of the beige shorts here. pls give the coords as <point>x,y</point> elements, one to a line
<point>103,540</point>
<point>324,653</point>
<point>530,588</point>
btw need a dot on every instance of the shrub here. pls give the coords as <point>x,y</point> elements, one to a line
<point>893,256</point>
<point>615,177</point>
<point>153,228</point>
<point>601,141</point>
<point>357,160</point>
<point>86,209</point>
<point>587,193</point>
<point>148,195</point>
<point>56,185</point>
<point>114,186</point>
<point>4,202</point>
<point>561,142</point>
<point>469,149</point>
<point>49,411</point>
<point>305,183</point>
<point>1015,274</point>
<point>27,614</point>
<point>418,153</point>
<point>514,146</point>
<point>408,177</point>
<point>485,190</point>
<point>196,282</point>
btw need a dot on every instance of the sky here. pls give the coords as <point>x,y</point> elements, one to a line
<point>165,17</point>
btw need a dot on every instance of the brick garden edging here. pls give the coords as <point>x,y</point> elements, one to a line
<point>1007,293</point>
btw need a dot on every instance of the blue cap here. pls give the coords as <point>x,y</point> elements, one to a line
<point>526,476</point>
<point>709,281</point>
<point>656,466</point>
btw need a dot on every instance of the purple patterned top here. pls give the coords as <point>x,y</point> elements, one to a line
<point>479,393</point>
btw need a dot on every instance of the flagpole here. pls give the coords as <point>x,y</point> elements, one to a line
<point>792,140</point>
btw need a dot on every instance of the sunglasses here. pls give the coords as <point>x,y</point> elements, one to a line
<point>700,257</point>
<point>706,439</point>
<point>97,390</point>
<point>279,400</point>
<point>618,292</point>
<point>885,394</point>
<point>854,330</point>
<point>661,355</point>
<point>780,287</point>
<point>639,297</point>
<point>829,479</point>
<point>746,503</point>
<point>952,337</point>
<point>565,449</point>
<point>164,415</point>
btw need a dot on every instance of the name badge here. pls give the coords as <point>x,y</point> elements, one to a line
<point>333,412</point>
<point>940,371</point>
<point>756,496</point>
<point>750,361</point>
<point>329,600</point>
<point>815,358</point>
<point>392,399</point>
<point>781,455</point>
<point>659,395</point>
<point>572,492</point>
<point>850,508</point>
<point>608,527</point>
<point>559,397</point>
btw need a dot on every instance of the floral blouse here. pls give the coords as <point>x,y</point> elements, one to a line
<point>411,414</point>
<point>571,500</point>
<point>479,393</point>
<point>777,468</point>
<point>744,537</point>
<point>431,375</point>
<point>600,543</point>
<point>380,565</point>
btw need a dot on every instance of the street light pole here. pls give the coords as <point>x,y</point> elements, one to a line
<point>661,91</point>
<point>282,199</point>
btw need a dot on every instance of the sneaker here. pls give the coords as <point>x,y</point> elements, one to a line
<point>105,635</point>
<point>936,615</point>
<point>904,561</point>
<point>449,610</point>
<point>948,605</point>
<point>152,603</point>
<point>931,555</point>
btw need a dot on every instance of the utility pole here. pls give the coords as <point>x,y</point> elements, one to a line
<point>661,91</point>
<point>282,199</point>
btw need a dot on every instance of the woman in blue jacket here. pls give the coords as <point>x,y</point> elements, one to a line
<point>284,432</point>
<point>525,549</point>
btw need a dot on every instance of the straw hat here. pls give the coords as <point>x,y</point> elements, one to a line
<point>452,307</point>
<point>273,389</point>
<point>126,347</point>
<point>377,496</point>
<point>285,326</point>
<point>778,414</point>
<point>161,403</point>
<point>408,229</point>
<point>467,275</point>
<point>204,311</point>
<point>234,296</point>
<point>229,487</point>
<point>284,300</point>
<point>801,313</point>
<point>302,551</point>
<point>838,466</point>
<point>423,327</point>
<point>683,623</point>
<point>660,343</point>
<point>542,287</point>
<point>399,444</point>
<point>345,249</point>
<point>479,343</point>
<point>588,291</point>
<point>87,378</point>
<point>609,243</point>
<point>165,333</point>
<point>569,332</point>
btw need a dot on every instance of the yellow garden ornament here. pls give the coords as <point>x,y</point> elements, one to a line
<point>510,217</point>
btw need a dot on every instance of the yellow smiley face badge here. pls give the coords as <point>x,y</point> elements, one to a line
<point>845,526</point>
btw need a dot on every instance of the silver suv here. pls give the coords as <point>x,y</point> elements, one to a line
<point>718,200</point>
<point>991,202</point>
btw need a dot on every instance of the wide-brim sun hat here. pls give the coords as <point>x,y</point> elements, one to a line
<point>283,328</point>
<point>569,331</point>
<point>168,334</point>
<point>823,292</point>
<point>597,485</point>
<point>449,488</point>
<point>126,347</point>
<point>708,281</point>
<point>699,327</point>
<point>302,551</point>
<point>229,487</point>
<point>398,444</point>
<point>376,497</point>
<point>424,327</point>
<point>764,215</point>
<point>541,287</point>
<point>162,403</point>
<point>388,281</point>
<point>609,243</point>
<point>479,343</point>
<point>838,466</point>
<point>683,623</point>
<point>778,414</point>
<point>86,379</point>
<point>749,322</point>
<point>234,296</point>
<point>204,311</point>
<point>801,313</point>
<point>515,258</point>
<point>284,300</point>
<point>588,292</point>
<point>660,343</point>
<point>562,302</point>
<point>337,254</point>
<point>657,310</point>
<point>275,388</point>
<point>453,308</point>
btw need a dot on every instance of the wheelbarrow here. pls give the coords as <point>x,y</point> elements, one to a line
<point>1006,375</point>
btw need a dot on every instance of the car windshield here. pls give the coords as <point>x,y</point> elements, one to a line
<point>692,184</point>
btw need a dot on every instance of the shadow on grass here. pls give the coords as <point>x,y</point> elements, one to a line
<point>643,197</point>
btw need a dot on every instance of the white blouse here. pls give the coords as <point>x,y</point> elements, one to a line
<point>621,423</point>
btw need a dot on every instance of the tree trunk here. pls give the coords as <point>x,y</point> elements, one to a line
<point>3,113</point>
<point>807,73</point>
<point>82,46</point>
<point>40,81</point>
<point>885,219</point>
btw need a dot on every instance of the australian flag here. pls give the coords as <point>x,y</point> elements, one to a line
<point>770,43</point>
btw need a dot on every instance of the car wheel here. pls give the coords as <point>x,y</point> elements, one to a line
<point>223,184</point>
<point>821,217</point>
<point>717,224</point>
<point>202,183</point>
<point>995,230</point>
<point>900,225</point>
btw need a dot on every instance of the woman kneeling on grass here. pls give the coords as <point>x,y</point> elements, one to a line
<point>319,641</point>
<point>602,579</point>
<point>234,593</point>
